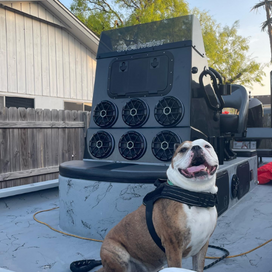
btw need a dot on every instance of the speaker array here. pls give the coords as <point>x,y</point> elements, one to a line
<point>132,145</point>
<point>168,112</point>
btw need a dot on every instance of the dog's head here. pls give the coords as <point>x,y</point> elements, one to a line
<point>194,166</point>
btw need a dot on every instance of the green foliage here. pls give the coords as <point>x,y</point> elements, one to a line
<point>231,58</point>
<point>155,10</point>
<point>226,50</point>
<point>209,29</point>
<point>127,13</point>
<point>98,17</point>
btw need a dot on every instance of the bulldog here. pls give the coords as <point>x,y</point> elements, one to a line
<point>184,230</point>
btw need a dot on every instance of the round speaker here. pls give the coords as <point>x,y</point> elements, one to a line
<point>101,145</point>
<point>105,114</point>
<point>135,113</point>
<point>132,145</point>
<point>169,111</point>
<point>163,145</point>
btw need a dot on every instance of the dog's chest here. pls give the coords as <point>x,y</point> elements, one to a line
<point>201,223</point>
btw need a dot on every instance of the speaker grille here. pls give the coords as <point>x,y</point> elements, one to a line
<point>243,174</point>
<point>101,145</point>
<point>135,113</point>
<point>132,145</point>
<point>163,145</point>
<point>105,114</point>
<point>169,111</point>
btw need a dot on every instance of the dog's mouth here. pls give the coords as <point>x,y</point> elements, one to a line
<point>198,168</point>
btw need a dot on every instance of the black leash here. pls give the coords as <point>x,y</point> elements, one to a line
<point>218,260</point>
<point>84,265</point>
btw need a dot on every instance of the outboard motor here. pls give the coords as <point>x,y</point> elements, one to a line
<point>153,89</point>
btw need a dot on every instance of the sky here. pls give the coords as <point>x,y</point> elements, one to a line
<point>226,12</point>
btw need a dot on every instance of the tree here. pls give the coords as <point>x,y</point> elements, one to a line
<point>100,15</point>
<point>228,53</point>
<point>141,11</point>
<point>267,5</point>
<point>97,17</point>
<point>225,49</point>
<point>209,29</point>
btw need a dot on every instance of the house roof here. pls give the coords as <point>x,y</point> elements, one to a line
<point>75,26</point>
<point>71,22</point>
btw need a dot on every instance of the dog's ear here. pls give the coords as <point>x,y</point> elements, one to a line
<point>176,145</point>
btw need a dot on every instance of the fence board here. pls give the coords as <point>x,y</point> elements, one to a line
<point>4,147</point>
<point>62,140</point>
<point>45,124</point>
<point>75,137</point>
<point>40,143</point>
<point>14,145</point>
<point>68,138</point>
<point>34,142</point>
<point>23,142</point>
<point>55,139</point>
<point>28,173</point>
<point>47,141</point>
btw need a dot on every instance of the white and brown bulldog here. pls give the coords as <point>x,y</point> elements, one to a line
<point>184,230</point>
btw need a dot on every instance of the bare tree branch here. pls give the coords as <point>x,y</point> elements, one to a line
<point>128,5</point>
<point>114,12</point>
<point>134,3</point>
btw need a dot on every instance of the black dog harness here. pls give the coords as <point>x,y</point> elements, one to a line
<point>165,190</point>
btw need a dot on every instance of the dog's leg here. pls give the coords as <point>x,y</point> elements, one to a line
<point>199,258</point>
<point>114,257</point>
<point>173,256</point>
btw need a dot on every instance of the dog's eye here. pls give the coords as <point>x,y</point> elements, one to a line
<point>207,146</point>
<point>183,150</point>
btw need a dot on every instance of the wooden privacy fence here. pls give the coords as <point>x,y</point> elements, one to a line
<point>33,142</point>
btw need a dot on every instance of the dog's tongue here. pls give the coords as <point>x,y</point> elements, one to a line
<point>198,168</point>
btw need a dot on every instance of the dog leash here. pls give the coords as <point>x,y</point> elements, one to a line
<point>219,259</point>
<point>84,265</point>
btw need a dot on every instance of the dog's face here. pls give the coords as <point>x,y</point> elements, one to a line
<point>194,166</point>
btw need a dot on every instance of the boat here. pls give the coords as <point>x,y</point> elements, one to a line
<point>153,89</point>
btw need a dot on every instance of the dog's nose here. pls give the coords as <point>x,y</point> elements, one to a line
<point>196,148</point>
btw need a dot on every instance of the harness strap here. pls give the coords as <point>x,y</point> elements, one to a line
<point>149,201</point>
<point>175,193</point>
